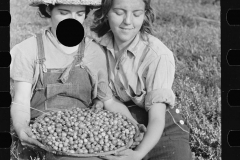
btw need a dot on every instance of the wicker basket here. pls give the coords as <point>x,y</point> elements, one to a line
<point>49,149</point>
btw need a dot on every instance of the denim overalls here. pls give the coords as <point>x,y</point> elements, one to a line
<point>61,88</point>
<point>58,89</point>
<point>174,142</point>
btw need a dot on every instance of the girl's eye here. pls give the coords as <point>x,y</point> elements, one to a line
<point>119,12</point>
<point>63,12</point>
<point>137,14</point>
<point>81,13</point>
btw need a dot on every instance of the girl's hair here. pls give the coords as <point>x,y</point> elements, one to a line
<point>101,26</point>
<point>43,13</point>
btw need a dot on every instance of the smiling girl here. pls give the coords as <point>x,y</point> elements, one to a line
<point>141,72</point>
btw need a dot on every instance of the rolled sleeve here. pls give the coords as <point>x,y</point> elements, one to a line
<point>103,90</point>
<point>160,96</point>
<point>95,60</point>
<point>159,80</point>
<point>104,93</point>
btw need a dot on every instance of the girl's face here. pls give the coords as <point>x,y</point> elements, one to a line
<point>126,18</point>
<point>62,12</point>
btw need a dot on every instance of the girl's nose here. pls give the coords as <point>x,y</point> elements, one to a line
<point>128,19</point>
<point>74,16</point>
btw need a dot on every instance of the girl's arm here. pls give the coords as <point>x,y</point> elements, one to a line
<point>20,108</point>
<point>20,112</point>
<point>154,131</point>
<point>156,123</point>
<point>116,106</point>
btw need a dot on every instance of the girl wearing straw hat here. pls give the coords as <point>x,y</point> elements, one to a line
<point>48,75</point>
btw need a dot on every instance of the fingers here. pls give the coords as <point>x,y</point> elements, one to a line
<point>29,132</point>
<point>27,144</point>
<point>30,142</point>
<point>139,137</point>
<point>135,143</point>
<point>118,155</point>
<point>123,153</point>
<point>132,147</point>
<point>26,138</point>
<point>142,128</point>
<point>97,104</point>
<point>34,142</point>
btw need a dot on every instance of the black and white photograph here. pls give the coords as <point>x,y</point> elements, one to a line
<point>115,80</point>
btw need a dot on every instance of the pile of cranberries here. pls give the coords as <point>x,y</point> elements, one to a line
<point>83,131</point>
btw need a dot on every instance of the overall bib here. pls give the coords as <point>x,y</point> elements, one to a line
<point>58,89</point>
<point>174,142</point>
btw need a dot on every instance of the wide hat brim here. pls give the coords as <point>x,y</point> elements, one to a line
<point>35,3</point>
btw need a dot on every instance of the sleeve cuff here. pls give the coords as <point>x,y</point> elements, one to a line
<point>22,79</point>
<point>162,95</point>
<point>104,93</point>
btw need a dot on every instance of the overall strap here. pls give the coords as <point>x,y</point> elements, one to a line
<point>77,60</point>
<point>41,55</point>
<point>108,64</point>
<point>81,50</point>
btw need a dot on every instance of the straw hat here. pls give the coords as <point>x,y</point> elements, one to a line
<point>69,2</point>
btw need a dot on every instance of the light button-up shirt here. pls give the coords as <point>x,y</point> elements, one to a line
<point>144,73</point>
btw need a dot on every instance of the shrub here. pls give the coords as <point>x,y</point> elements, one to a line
<point>200,106</point>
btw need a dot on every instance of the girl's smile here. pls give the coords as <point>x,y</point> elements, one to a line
<point>125,19</point>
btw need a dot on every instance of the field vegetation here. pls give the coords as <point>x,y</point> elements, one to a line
<point>191,29</point>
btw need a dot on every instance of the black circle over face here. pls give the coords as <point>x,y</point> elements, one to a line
<point>70,32</point>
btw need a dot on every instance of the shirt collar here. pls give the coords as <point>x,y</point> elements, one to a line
<point>133,46</point>
<point>50,37</point>
<point>107,41</point>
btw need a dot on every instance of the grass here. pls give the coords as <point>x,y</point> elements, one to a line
<point>191,29</point>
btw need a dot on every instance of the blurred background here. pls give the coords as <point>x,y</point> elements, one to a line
<point>191,29</point>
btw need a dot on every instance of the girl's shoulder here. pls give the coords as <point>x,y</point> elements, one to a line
<point>91,40</point>
<point>93,45</point>
<point>28,47</point>
<point>157,46</point>
<point>28,43</point>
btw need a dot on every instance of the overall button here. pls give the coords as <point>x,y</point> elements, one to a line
<point>182,122</point>
<point>44,68</point>
<point>177,111</point>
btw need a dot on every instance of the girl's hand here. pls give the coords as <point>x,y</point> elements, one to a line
<point>97,104</point>
<point>139,138</point>
<point>124,155</point>
<point>26,136</point>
